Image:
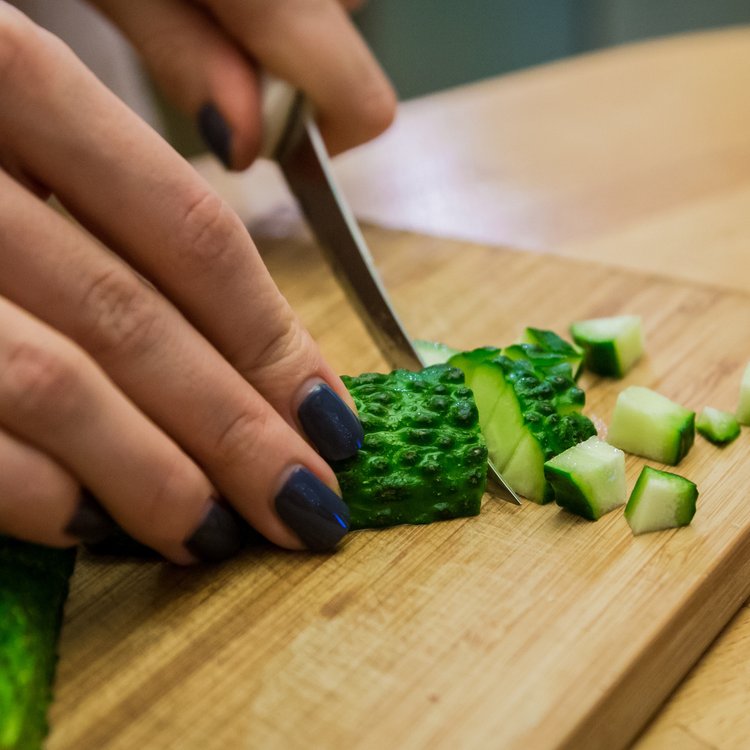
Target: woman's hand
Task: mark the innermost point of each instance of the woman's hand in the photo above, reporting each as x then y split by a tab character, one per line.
152	361
204	54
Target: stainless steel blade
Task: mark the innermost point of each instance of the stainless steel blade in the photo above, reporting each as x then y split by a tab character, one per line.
304	161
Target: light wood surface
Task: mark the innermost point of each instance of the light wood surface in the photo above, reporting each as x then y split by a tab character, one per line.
635	158
523	627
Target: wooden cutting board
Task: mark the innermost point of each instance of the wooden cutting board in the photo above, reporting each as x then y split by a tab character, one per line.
521	628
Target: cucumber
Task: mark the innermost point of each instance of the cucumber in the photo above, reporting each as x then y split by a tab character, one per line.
660	500
743	409
651	425
33	588
433	352
588	479
550	342
611	345
528	413
423	457
720	427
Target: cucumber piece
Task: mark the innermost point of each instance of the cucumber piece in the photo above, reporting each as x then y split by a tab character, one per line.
589	478
743	409
660	500
720	427
433	352
525	414
33	589
651	425
550	342
423	456
611	345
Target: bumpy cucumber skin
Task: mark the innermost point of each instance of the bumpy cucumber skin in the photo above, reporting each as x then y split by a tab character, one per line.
684	514
33	589
548	399
719	427
423	457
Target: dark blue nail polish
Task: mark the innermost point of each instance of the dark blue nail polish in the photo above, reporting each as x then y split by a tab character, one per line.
220	536
90	522
330	424
216	133
312	510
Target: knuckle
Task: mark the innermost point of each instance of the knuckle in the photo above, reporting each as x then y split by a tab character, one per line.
287	342
210	229
42	382
123	314
243	437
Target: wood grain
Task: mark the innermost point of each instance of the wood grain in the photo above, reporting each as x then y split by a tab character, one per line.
520	628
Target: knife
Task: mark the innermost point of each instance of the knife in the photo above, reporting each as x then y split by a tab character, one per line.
292	139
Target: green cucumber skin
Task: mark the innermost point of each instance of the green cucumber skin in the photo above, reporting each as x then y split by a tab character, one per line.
601	358
550	342
608	356
567	494
33	588
686	510
423	457
718	427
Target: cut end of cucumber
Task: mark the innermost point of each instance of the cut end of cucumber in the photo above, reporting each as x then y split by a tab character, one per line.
719	427
650	425
611	345
588	479
433	352
743	408
660	500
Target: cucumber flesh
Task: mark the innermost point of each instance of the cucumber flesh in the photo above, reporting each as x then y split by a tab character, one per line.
651	425
433	352
660	500
743	410
720	427
611	345
588	479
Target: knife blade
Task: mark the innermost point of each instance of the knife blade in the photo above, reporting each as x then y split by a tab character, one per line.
302	156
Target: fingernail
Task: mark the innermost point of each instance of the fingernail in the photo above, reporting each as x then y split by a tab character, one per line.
220	536
318	516
216	133
90	523
331	425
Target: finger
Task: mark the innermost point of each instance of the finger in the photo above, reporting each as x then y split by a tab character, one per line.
185	239
53	397
246	448
313	45
38	498
200	68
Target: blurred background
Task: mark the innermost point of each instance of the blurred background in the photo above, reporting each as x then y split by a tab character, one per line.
427	45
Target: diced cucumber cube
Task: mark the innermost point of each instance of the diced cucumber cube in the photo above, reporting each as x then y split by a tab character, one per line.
588	479
743	410
718	426
650	425
611	345
660	500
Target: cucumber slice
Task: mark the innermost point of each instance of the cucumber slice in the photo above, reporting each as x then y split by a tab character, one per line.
720	427
433	352
611	345
743	410
588	479
549	341
651	425
660	500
